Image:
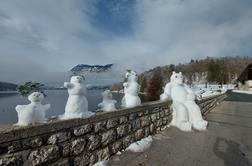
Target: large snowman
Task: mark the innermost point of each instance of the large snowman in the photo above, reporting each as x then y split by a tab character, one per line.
186	113
108	104
77	104
33	112
131	89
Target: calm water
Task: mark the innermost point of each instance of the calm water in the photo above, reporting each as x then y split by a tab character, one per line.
57	99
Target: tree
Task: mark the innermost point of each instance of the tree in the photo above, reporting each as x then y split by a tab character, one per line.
143	84
155	86
217	72
29	87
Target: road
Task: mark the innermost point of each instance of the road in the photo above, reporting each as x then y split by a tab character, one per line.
227	142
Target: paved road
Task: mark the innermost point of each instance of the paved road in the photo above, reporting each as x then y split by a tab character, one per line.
227	142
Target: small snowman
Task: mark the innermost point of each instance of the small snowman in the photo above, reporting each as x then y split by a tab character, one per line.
108	104
77	104
33	112
131	89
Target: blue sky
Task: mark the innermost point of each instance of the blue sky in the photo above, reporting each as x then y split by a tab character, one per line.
44	39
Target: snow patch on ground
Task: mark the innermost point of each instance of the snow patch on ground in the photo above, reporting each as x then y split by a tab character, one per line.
101	163
141	145
242	91
212	89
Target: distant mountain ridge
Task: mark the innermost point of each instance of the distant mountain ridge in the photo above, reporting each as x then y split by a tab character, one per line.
82	68
6	86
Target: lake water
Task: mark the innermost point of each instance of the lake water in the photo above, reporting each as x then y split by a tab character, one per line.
57	99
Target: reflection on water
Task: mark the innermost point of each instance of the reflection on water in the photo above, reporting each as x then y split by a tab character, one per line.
57	99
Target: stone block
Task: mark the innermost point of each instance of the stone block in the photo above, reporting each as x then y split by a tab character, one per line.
100	126
108	137
78	131
59	137
94	141
44	154
112	123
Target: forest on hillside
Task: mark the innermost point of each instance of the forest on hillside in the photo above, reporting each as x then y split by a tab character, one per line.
210	70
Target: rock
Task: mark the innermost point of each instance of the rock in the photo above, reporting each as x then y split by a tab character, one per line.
123	130
127	141
146	131
32	143
136	124
61	162
94	141
78	146
123	119
108	137
132	116
93	159
59	137
145	121
140	114
162	114
66	149
81	160
152	128
112	123
139	134
82	130
153	117
14	147
115	147
167	112
103	154
11	159
44	154
100	126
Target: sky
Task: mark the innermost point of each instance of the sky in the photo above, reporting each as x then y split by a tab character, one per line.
42	40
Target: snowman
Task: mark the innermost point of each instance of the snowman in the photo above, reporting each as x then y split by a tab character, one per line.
77	104
186	113
131	89
33	112
108	104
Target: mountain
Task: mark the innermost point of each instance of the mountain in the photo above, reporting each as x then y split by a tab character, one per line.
5	86
82	68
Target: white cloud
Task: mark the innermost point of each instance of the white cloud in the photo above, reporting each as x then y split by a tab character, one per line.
43	37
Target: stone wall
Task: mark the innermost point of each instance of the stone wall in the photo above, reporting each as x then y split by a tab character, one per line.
85	141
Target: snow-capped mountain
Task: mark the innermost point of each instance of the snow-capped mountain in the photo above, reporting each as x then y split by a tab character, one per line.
82	68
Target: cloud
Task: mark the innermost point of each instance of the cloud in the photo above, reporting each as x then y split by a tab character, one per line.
41	40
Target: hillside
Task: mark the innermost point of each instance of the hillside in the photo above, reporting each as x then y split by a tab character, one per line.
196	71
5	86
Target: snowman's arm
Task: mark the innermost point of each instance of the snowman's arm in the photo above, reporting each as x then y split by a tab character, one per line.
68	85
167	89
47	106
125	84
19	108
189	90
100	104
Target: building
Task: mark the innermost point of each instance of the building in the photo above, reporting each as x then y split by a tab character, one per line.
245	79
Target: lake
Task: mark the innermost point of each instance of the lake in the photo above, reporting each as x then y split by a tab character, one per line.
57	99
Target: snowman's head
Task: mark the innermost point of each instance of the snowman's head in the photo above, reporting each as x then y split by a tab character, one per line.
176	78
107	94
36	97
131	75
77	79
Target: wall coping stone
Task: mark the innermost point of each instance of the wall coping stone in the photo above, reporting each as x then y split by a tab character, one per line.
10	133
